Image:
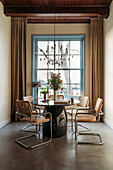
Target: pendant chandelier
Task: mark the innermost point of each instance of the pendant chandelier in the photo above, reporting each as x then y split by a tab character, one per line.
61	56
55	60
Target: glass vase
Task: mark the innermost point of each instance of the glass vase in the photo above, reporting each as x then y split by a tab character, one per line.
55	92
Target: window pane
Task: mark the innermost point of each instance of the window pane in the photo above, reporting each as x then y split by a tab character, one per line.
65	90
75	61
74	90
42	62
64	75
42	76
42	47
74	76
74	47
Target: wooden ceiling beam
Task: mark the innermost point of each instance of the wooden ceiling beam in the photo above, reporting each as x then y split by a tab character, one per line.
34	21
79	11
58	18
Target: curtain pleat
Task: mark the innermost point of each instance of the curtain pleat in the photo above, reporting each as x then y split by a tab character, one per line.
96	60
18	61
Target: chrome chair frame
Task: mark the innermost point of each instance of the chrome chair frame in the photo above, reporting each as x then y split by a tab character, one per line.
28	126
91	134
71	114
72	124
18	140
35	108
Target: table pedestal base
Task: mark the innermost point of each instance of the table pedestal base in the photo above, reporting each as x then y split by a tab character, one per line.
59	121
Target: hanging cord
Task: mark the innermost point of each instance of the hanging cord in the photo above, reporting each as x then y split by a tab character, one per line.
54	43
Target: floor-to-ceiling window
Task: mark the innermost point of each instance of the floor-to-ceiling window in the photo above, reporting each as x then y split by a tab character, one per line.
60	54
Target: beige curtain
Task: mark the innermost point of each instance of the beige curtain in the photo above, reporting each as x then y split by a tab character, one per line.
18	61
96	60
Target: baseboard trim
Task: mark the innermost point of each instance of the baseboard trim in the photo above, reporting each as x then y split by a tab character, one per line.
107	122
4	123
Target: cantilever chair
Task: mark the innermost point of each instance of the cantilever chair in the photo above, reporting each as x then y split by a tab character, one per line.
25	113
30	99
88	115
34	111
84	102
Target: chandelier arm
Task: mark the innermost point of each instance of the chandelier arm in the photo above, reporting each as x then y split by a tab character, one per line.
49	59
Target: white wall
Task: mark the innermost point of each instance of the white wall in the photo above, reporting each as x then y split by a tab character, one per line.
108	80
5	68
59	29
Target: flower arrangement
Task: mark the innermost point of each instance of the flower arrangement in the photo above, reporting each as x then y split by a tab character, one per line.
55	81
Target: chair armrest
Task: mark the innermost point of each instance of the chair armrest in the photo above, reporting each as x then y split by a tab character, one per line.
86	109
86	113
46	113
20	114
95	114
41	114
80	107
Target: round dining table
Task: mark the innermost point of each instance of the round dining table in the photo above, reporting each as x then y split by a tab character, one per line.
59	116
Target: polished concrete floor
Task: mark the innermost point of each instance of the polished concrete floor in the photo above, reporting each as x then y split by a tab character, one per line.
61	154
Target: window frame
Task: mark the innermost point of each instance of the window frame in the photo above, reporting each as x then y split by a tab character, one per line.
76	37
